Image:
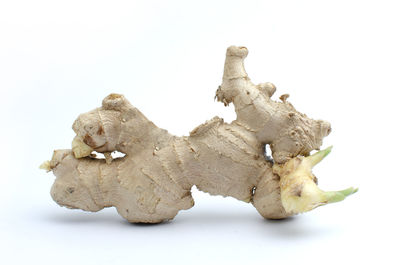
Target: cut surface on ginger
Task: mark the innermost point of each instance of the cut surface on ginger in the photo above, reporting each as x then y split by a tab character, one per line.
152	182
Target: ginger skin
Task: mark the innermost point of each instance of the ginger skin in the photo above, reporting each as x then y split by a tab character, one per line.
153	182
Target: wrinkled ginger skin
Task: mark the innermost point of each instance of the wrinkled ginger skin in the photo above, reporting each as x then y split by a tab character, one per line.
91	184
288	132
153	181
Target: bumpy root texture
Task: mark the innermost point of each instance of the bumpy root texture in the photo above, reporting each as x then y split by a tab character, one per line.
152	182
288	132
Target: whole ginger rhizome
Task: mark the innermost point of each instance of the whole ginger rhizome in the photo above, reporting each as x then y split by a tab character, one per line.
153	181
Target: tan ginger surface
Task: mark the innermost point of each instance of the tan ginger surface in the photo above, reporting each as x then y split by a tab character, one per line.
153	181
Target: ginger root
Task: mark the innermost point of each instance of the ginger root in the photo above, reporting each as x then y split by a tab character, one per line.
153	181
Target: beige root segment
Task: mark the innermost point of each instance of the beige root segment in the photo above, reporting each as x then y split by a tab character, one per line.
153	181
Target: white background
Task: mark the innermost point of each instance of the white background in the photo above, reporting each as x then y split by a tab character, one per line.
338	60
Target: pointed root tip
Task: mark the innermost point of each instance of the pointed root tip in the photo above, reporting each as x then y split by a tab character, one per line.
318	156
349	191
337	196
326	151
329	148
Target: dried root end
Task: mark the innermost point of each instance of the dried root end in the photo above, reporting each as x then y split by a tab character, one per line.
80	149
108	157
46	166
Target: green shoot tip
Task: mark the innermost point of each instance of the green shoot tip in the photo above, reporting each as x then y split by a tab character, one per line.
337	196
